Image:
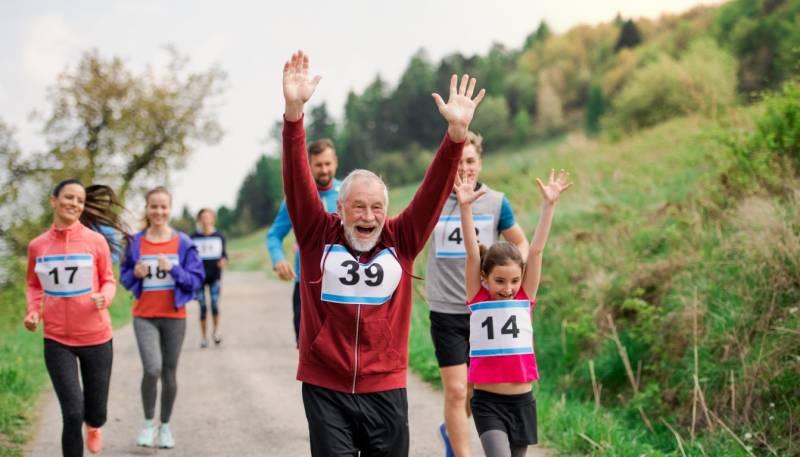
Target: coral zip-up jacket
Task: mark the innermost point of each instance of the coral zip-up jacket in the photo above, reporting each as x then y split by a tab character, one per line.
71	256
357	348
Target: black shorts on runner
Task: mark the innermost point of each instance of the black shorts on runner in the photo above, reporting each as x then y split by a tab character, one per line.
342	424
513	414
450	335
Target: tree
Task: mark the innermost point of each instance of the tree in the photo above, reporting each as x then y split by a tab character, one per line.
629	36
538	37
110	125
595	108
259	196
522	127
412	108
321	124
492	121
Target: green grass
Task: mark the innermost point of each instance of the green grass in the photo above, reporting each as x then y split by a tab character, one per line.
23	375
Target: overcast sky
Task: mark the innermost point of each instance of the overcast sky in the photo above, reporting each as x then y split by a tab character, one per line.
349	43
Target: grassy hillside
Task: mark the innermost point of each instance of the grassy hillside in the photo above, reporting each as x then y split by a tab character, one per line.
655	248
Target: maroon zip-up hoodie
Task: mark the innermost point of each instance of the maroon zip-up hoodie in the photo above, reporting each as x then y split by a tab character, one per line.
351	347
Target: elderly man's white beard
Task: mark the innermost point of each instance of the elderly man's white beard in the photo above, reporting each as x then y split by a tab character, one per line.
355	243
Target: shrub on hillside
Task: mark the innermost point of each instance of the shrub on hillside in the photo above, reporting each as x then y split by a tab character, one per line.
702	81
493	121
400	168
770	152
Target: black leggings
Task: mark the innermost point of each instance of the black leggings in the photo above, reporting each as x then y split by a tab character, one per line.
79	406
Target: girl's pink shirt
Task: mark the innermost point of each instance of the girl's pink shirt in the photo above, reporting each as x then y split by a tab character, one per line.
503	368
73	321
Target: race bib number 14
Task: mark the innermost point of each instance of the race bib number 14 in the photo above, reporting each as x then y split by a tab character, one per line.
501	327
345	280
67	275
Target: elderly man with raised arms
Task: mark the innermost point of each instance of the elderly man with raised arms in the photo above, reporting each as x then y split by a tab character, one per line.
356	280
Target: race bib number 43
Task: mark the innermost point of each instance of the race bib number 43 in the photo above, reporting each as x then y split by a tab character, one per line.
210	248
345	280
500	328
67	275
449	241
158	279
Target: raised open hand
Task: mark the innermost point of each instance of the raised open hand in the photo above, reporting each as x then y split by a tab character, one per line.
297	88
465	190
555	186
460	106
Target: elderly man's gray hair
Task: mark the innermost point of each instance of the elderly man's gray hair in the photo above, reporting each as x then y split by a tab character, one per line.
344	191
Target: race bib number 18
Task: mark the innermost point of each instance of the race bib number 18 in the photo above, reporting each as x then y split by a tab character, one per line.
500	328
67	275
158	279
345	280
449	241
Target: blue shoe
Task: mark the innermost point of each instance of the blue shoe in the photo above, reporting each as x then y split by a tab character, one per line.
448	449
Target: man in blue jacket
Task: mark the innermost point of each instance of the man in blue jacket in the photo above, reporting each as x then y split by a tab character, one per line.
323	162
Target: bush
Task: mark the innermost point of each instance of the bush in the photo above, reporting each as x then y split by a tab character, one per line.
399	168
702	81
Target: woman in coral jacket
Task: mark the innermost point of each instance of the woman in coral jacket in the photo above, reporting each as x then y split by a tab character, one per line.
70	286
162	268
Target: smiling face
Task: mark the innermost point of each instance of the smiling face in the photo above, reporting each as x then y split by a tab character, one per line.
470	164
207	220
504	281
68	204
323	166
363	212
157	211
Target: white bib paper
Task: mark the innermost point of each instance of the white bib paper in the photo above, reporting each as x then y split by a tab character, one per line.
345	280
500	328
449	241
67	275
209	248
158	279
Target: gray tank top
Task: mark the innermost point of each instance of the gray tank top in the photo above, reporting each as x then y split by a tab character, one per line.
444	280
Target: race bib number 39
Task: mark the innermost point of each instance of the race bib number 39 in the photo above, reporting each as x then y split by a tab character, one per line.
345	280
67	275
158	279
449	241
210	248
500	328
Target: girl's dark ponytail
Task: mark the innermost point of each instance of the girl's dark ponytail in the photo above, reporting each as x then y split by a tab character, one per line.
102	208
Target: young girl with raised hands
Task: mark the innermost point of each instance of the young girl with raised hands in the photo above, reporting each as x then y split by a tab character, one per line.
502	291
70	287
163	269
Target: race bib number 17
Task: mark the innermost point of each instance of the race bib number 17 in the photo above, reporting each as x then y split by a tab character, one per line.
67	275
501	327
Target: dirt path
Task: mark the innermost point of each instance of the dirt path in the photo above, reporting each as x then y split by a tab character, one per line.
239	399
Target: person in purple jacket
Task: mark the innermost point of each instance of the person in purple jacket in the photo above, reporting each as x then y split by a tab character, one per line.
163	269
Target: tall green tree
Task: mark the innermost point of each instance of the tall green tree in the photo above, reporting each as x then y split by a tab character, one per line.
321	124
259	196
629	36
595	108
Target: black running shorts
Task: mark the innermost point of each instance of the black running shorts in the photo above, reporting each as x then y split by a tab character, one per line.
513	414
342	424
450	335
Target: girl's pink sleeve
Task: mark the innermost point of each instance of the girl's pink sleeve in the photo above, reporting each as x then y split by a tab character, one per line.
34	291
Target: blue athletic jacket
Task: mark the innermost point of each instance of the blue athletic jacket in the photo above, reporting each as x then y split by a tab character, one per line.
282	225
188	276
